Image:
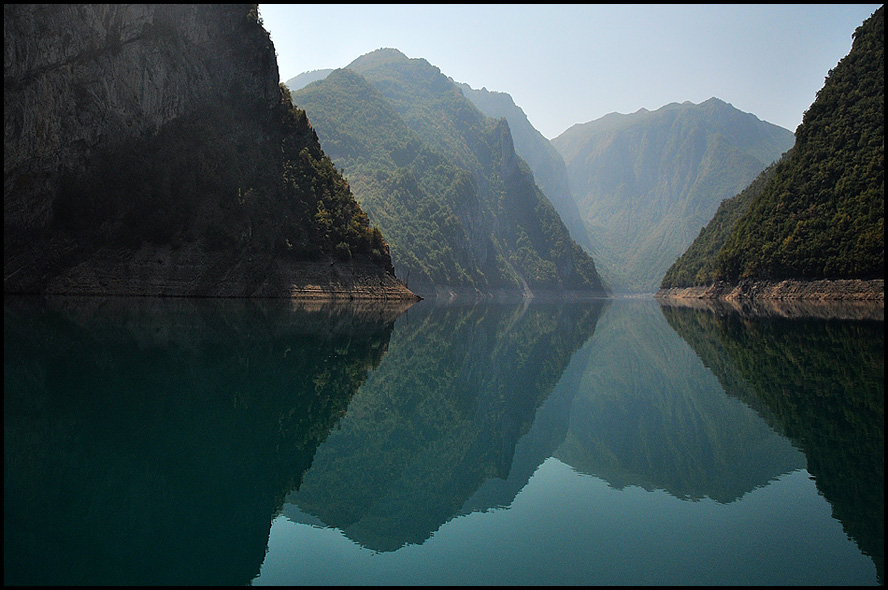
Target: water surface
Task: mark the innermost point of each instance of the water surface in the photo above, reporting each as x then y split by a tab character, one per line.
174	441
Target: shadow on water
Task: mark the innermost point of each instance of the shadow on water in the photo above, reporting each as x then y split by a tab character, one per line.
151	441
440	420
817	374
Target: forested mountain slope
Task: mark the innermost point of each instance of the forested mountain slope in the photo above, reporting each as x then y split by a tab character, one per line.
645	183
822	215
460	209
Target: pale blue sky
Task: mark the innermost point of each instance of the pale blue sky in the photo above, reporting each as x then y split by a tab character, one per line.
573	63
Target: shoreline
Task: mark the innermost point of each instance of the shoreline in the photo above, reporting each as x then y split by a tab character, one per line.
191	271
785	290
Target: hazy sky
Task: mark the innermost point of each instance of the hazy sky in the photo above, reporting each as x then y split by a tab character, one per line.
573	63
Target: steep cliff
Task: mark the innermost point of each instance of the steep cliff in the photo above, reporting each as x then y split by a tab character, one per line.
150	150
547	165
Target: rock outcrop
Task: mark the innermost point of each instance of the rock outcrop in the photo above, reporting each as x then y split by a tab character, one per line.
150	149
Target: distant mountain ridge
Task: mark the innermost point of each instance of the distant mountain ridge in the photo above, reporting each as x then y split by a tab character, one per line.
645	183
460	209
306	78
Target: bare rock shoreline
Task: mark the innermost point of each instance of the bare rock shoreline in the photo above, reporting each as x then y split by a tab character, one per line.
191	272
818	290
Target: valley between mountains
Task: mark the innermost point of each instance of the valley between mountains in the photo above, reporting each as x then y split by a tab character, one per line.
652	197
153	150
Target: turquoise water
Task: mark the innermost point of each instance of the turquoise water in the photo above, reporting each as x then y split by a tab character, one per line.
612	442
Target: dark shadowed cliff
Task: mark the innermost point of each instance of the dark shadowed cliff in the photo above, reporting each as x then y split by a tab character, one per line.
150	150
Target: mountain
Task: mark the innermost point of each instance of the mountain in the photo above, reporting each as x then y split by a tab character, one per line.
425	442
460	209
645	183
306	78
696	265
821	214
545	162
151	150
164	434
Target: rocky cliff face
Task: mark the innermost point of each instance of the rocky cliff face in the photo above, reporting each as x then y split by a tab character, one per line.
780	290
80	77
547	165
159	134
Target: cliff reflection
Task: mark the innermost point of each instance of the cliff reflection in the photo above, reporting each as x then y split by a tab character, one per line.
441	416
820	378
151	441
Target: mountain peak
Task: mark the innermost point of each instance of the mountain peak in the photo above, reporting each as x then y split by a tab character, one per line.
716	103
417	149
379	56
388	52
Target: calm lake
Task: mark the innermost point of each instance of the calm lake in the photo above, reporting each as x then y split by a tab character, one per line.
232	442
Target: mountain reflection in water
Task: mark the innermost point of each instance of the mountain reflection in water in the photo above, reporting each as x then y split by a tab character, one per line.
150	441
603	442
440	417
640	406
820	380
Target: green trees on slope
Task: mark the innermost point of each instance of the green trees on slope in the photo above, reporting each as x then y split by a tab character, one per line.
409	190
697	265
821	215
442	181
